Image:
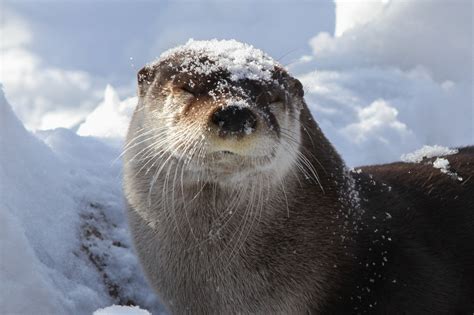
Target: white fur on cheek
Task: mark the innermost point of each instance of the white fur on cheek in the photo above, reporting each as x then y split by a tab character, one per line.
287	153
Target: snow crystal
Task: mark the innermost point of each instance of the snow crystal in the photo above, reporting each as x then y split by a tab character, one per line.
121	310
241	60
443	165
427	152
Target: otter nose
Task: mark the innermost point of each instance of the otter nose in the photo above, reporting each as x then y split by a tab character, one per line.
234	120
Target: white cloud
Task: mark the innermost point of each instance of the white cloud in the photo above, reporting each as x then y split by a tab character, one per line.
14	30
42	96
350	14
434	34
397	76
379	121
433	112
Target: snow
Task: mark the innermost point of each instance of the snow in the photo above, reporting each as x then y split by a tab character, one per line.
121	310
427	152
241	60
442	164
392	79
110	118
64	238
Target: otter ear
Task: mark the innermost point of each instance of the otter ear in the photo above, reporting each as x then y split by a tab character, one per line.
296	86
145	78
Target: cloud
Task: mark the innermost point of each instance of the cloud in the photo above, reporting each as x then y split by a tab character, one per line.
14	31
378	120
350	14
434	34
42	96
397	75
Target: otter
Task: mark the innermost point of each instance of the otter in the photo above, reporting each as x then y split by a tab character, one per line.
238	203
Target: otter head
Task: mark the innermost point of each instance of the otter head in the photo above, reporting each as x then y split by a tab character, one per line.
222	110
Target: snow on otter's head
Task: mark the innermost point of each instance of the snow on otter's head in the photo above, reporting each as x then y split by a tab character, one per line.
240	60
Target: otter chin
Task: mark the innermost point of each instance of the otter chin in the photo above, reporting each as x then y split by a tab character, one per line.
238	203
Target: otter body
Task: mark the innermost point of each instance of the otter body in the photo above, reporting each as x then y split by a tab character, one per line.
239	204
415	250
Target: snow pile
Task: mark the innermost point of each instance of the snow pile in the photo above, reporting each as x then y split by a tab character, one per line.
31	182
443	165
121	310
241	60
110	119
64	239
427	152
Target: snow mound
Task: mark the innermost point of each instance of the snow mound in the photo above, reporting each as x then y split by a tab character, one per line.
121	310
241	60
427	152
443	165
29	173
110	119
62	224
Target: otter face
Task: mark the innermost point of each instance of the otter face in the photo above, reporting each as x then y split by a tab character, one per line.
221	120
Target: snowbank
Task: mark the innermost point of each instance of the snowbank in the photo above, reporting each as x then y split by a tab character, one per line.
36	208
110	118
64	241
